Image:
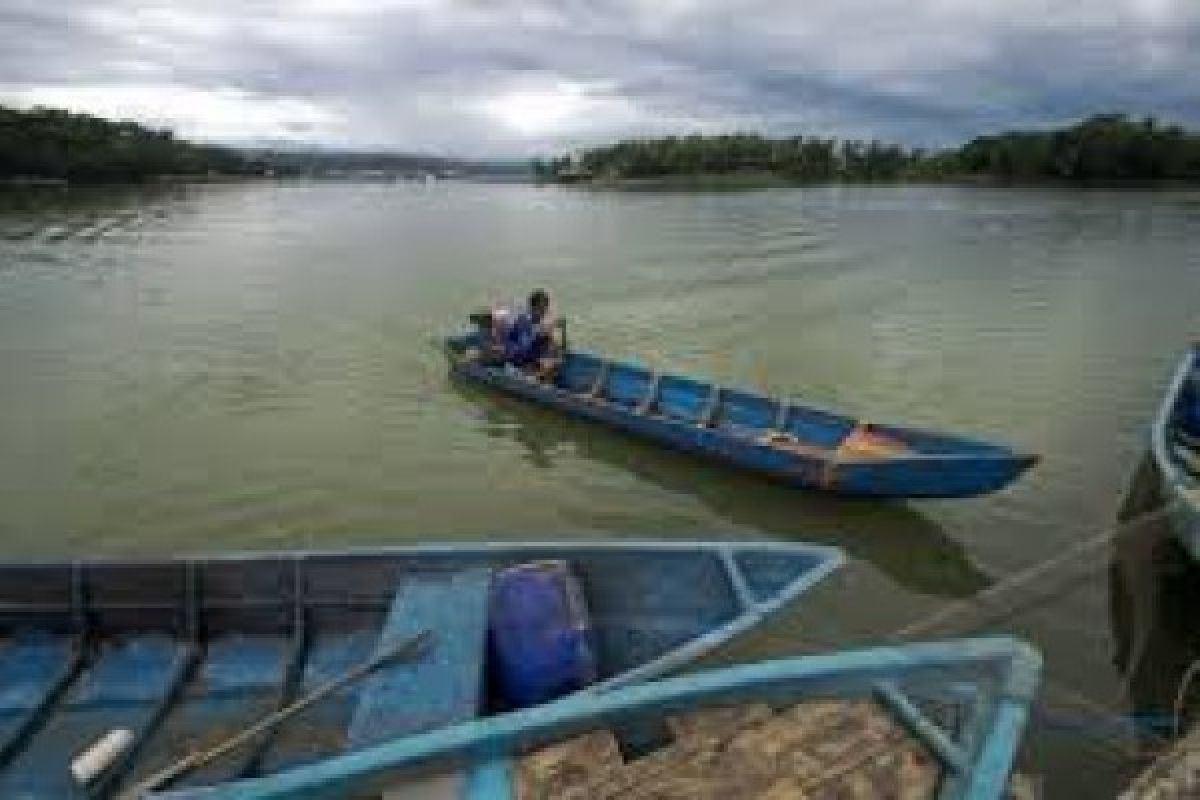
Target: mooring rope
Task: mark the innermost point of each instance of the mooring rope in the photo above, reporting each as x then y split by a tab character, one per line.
999	599
1070	557
1180	696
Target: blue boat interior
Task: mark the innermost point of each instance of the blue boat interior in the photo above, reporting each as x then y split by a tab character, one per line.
735	413
1185	421
186	654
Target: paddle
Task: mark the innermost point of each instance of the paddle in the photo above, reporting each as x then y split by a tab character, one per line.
401	651
562	332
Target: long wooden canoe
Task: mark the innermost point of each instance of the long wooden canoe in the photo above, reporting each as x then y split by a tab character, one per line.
798	444
1175	442
184	653
963	704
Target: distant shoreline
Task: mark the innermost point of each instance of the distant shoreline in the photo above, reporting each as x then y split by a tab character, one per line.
34	182
766	180
37	182
1104	149
55	147
671	183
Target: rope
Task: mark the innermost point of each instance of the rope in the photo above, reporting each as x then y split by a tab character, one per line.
1180	694
1023	577
998	597
998	604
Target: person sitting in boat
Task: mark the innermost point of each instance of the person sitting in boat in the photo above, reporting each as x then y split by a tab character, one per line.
525	339
531	343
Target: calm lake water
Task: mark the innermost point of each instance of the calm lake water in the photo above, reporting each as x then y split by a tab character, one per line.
255	366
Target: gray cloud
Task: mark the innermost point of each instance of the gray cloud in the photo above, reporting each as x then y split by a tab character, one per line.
522	76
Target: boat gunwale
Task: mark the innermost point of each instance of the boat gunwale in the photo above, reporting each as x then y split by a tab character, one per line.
466	547
1160	429
493	741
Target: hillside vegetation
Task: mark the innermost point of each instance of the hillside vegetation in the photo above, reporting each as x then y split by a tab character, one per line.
49	143
1109	147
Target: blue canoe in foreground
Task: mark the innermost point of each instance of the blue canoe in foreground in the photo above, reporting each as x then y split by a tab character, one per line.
1175	442
796	444
966	703
185	653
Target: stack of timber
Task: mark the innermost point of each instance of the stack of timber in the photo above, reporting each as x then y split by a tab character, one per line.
1174	776
842	749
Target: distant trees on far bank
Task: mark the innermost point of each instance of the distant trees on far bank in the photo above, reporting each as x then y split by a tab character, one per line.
49	143
1108	147
798	157
53	144
1105	147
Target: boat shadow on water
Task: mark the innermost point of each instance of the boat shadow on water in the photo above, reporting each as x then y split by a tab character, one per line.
908	547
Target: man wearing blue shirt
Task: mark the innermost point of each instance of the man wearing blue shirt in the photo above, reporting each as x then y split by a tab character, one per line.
529	336
522	338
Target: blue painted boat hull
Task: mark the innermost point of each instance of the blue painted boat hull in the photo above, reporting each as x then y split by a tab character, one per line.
987	686
734	427
1177	452
186	652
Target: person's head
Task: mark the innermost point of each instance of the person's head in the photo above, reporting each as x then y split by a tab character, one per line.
539	303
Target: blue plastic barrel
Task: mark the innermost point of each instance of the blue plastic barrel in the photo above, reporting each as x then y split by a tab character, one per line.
540	638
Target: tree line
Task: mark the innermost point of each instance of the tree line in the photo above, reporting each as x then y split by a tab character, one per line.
1106	147
48	143
53	144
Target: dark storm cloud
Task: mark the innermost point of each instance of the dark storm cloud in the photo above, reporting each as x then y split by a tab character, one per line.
516	77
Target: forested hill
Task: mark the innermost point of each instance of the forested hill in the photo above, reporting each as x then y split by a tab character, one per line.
1110	147
54	144
50	143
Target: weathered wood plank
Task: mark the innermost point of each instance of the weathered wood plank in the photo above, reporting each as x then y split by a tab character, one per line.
819	749
1174	776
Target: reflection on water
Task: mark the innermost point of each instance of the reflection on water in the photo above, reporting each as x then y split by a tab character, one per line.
1154	593
896	539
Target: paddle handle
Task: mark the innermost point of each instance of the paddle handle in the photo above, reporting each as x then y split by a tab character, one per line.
192	761
168	775
561	324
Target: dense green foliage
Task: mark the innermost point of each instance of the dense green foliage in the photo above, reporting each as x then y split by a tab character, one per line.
53	144
798	157
50	143
1106	147
1103	148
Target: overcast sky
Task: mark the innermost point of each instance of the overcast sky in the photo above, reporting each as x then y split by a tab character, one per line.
503	78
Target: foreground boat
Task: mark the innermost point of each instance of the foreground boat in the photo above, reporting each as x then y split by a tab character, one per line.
797	444
1175	442
964	703
185	653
